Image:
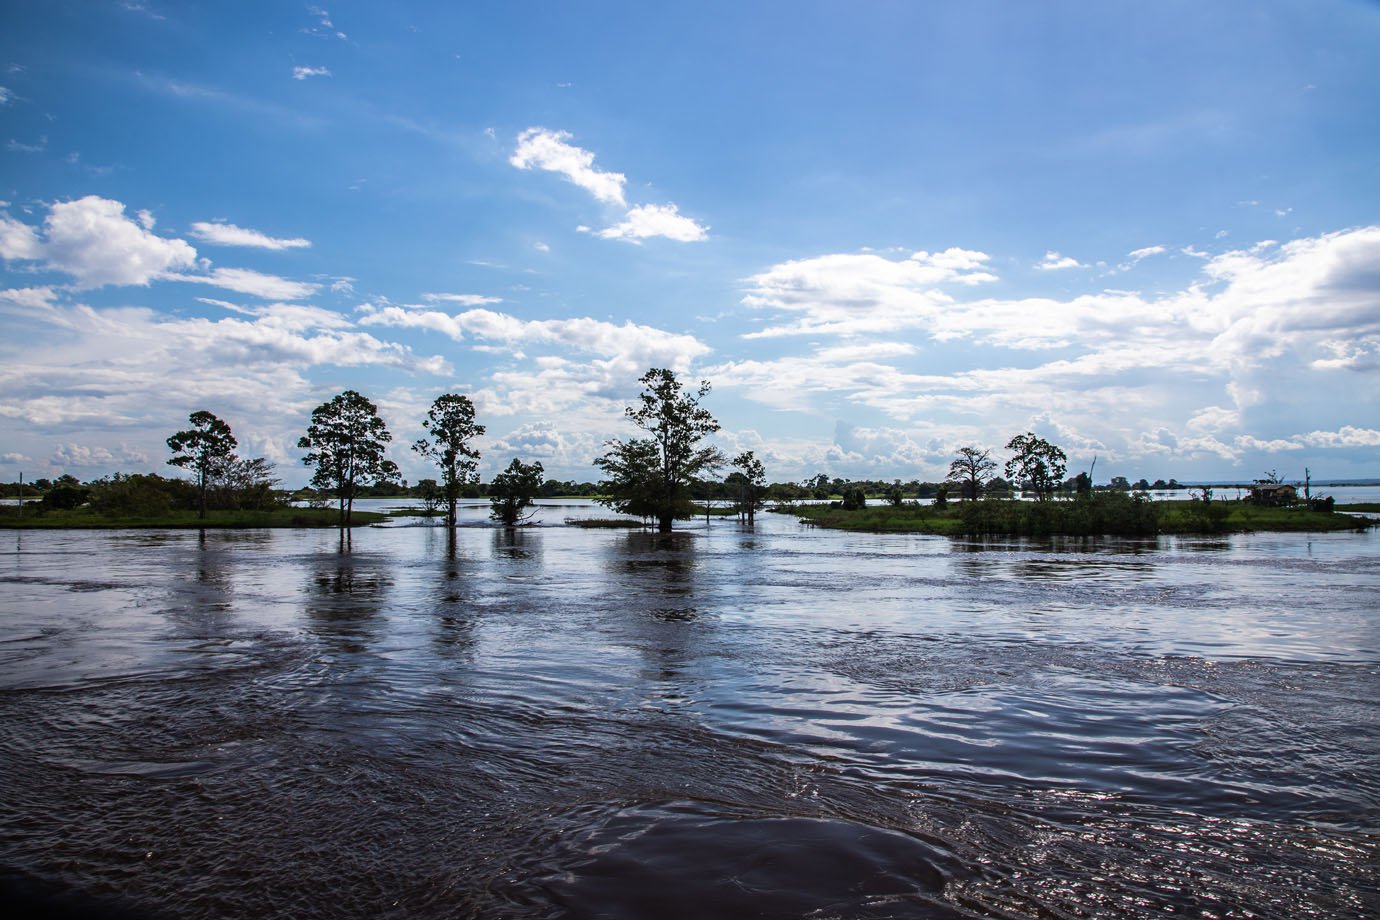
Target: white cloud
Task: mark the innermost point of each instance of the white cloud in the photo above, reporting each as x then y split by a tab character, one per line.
467	300
1345	437
248	281
1136	255
637	344
15	146
650	220
302	73
223	234
68	456
30	298
539	246
862	292
548	150
18	241
6	97
1053	261
92	240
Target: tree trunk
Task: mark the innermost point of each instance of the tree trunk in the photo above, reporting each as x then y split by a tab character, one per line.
450	512
663	522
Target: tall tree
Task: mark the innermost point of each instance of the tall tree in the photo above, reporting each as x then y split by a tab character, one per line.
1037	462
652	476
346	442
207	449
512	491
450	427
753	485
972	468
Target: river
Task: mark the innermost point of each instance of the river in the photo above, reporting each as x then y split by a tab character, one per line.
775	722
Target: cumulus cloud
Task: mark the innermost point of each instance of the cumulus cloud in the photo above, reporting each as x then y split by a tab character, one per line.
651	220
303	73
78	456
29	298
218	233
92	240
1053	261
1215	370
549	150
18	242
548	442
851	293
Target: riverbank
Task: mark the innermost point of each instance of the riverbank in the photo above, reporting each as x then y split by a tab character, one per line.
1117	515
86	519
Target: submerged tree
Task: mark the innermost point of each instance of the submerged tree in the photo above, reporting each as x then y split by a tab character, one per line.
430	493
512	492
971	470
345	442
753	484
207	449
651	476
450	427
1037	462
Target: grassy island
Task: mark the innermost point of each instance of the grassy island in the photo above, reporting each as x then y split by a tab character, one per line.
1108	513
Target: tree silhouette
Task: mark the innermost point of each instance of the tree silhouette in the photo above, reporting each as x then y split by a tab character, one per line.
450	427
207	449
345	442
651	476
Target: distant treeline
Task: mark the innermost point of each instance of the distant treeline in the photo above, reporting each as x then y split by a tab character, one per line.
817	487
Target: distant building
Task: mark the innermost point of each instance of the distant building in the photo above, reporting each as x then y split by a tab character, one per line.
1273	493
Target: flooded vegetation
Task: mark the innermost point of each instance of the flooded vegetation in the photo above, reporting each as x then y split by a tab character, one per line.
783	720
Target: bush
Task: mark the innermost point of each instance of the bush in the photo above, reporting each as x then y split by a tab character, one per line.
141	495
64	497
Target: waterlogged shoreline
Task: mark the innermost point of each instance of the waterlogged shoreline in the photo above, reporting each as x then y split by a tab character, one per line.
1066	518
1169	517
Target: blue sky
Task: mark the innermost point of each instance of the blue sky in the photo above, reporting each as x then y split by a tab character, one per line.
883	231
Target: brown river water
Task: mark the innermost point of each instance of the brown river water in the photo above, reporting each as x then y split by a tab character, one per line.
775	722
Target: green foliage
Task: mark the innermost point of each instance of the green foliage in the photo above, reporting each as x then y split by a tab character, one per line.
431	495
972	468
652	476
207	449
450	428
346	442
64	497
752	484
513	491
1037	462
854	499
132	495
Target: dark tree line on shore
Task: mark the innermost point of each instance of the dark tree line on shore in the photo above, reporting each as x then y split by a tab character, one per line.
666	473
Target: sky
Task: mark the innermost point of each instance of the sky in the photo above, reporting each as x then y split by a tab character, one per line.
1149	233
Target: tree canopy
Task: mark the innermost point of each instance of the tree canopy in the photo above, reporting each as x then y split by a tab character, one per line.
651	476
346	442
450	428
207	449
753	484
512	491
971	469
1038	463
